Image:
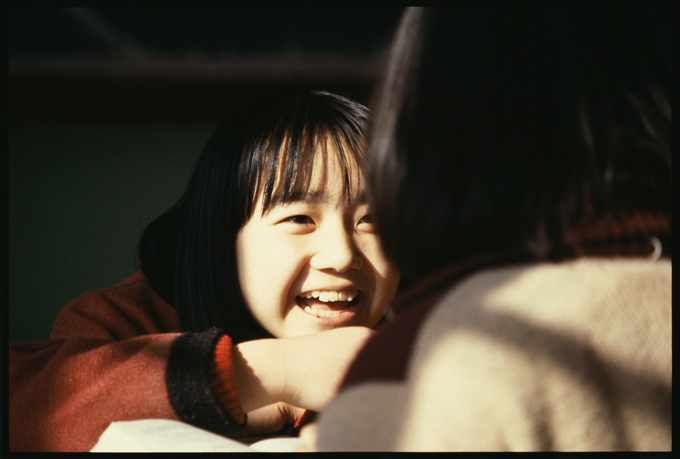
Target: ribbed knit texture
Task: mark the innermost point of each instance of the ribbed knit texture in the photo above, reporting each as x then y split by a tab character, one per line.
223	379
190	386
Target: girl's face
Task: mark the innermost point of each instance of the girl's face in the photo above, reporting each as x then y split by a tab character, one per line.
315	263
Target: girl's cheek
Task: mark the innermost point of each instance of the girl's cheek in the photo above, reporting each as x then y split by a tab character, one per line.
373	251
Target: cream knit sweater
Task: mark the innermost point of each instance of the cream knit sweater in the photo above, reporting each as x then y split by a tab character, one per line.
570	357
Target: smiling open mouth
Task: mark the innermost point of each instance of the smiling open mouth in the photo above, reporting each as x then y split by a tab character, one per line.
328	303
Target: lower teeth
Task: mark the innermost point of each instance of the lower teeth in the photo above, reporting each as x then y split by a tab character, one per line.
322	313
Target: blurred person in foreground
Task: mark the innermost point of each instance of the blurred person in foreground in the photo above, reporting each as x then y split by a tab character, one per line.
519	167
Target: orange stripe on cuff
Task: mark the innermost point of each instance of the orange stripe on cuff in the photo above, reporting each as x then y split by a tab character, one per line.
223	379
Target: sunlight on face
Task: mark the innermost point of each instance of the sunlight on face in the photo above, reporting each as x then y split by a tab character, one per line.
315	262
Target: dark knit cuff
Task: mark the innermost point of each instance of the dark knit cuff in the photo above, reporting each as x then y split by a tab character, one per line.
189	386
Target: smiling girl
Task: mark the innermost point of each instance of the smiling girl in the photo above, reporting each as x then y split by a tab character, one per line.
272	239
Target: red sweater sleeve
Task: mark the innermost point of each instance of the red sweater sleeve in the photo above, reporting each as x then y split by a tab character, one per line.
105	361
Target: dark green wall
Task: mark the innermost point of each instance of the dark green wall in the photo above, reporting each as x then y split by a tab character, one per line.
79	198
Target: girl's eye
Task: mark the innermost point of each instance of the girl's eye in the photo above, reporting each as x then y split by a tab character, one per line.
299	219
367	219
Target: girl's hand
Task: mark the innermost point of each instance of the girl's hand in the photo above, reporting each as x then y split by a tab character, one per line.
304	371
270	419
308	435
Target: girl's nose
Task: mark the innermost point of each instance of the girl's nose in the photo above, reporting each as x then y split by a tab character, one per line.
335	250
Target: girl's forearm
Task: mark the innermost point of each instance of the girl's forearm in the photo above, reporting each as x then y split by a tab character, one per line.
259	367
303	371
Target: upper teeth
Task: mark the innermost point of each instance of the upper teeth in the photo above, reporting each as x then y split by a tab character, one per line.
328	296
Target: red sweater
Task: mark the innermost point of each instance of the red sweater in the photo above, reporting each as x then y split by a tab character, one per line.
107	359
